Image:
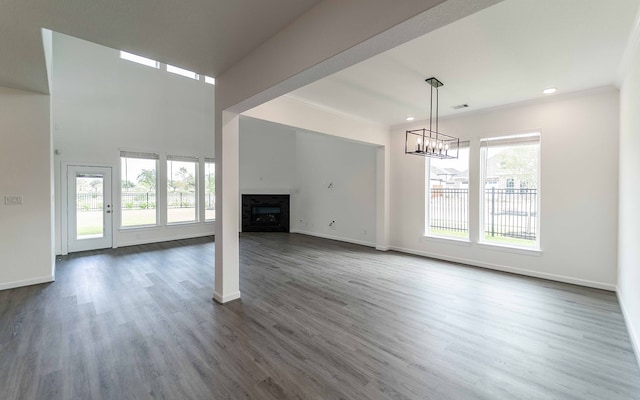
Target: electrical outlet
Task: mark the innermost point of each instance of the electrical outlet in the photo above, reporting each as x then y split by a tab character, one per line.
13	200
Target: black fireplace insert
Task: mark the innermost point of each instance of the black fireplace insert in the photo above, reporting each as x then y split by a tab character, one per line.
265	213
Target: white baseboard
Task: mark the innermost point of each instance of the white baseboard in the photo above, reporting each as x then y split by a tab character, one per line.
519	271
137	242
225	299
26	282
633	334
383	248
338	238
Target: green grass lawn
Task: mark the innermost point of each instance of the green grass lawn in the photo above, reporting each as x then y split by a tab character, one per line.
89	230
450	233
138	217
90	222
488	238
509	240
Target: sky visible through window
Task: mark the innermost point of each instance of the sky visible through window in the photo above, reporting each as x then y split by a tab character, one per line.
139	59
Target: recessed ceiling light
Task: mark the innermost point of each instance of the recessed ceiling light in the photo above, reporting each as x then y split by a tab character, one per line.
410	118
549	90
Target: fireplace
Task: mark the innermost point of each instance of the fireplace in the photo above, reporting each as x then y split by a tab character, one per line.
265	213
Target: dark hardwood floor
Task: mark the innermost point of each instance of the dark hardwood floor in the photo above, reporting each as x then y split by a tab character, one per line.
318	319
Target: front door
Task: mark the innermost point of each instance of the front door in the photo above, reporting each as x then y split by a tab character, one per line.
89	208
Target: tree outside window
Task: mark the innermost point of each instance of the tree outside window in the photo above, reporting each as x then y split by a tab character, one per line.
182	204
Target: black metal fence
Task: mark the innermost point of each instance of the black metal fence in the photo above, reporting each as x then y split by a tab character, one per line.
141	201
448	209
181	200
92	201
510	212
210	201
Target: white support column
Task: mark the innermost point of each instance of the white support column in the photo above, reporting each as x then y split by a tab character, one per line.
383	165
227	243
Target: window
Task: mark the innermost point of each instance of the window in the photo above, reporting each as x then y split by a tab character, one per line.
447	196
209	80
510	216
209	190
140	60
138	189
510	184
183	72
182	189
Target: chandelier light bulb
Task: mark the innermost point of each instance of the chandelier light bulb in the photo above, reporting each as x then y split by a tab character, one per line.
431	142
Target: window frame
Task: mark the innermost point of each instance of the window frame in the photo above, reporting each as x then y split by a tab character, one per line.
139	156
140	60
172	69
196	197
204	190
516	139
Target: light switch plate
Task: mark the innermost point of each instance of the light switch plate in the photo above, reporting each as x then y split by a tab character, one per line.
12	200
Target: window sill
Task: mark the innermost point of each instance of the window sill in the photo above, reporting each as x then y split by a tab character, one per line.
186	223
210	221
138	228
445	239
528	251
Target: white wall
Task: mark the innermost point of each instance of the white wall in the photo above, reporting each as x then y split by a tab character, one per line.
291	111
267	157
282	160
579	185
309	117
26	250
103	104
629	199
350	169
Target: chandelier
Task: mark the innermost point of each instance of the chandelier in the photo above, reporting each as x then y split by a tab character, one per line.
429	142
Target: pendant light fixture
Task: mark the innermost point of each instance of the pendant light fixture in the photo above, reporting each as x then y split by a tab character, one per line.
429	142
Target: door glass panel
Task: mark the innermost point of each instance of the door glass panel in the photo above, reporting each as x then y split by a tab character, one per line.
89	206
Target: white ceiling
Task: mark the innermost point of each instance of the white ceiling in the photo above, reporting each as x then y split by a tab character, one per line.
206	36
504	54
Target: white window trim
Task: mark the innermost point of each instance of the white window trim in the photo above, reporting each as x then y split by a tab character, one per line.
446	239
204	191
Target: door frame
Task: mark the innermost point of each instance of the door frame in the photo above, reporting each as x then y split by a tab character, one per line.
64	190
